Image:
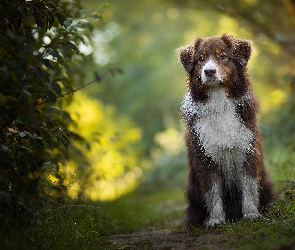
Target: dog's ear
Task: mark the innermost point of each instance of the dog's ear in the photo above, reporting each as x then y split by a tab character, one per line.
241	48
186	55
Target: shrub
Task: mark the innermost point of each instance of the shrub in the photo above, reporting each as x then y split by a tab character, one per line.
39	63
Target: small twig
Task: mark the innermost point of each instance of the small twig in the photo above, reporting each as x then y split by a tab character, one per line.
77	206
85	85
69	206
63	95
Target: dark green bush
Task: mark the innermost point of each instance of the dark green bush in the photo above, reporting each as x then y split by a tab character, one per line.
39	63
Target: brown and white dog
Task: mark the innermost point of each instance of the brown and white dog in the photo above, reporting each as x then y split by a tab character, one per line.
227	176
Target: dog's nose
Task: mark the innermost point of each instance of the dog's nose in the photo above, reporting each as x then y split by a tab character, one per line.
210	72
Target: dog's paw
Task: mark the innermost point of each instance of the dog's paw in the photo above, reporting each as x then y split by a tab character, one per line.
252	215
213	222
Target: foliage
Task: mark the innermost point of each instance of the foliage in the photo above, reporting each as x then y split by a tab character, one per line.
112	162
39	63
280	152
61	227
168	160
87	225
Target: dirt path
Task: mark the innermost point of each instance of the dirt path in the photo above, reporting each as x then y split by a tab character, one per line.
165	239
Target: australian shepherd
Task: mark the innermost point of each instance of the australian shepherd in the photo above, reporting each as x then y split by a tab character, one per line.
227	176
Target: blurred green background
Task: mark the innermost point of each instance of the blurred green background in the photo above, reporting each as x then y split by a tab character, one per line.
138	142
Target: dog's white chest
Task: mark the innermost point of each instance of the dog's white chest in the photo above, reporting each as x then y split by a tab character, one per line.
221	132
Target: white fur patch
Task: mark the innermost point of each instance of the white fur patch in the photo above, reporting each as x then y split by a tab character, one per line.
213	199
210	64
249	187
223	135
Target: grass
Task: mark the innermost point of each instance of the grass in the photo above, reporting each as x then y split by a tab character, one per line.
85	225
272	231
138	211
89	225
265	233
64	227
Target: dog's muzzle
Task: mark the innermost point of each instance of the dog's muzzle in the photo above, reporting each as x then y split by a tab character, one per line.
210	72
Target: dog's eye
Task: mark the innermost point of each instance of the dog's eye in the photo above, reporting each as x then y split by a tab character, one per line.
223	56
201	58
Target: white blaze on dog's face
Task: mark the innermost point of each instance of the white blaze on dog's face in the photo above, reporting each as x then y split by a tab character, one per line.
210	72
215	61
213	64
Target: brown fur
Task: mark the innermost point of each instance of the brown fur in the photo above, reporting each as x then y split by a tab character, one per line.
203	171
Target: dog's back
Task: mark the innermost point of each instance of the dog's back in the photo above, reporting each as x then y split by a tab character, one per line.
227	177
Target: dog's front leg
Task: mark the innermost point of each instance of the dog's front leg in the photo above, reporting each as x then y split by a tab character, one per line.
250	201
214	203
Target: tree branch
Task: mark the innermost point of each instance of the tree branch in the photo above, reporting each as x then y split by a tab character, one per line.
97	79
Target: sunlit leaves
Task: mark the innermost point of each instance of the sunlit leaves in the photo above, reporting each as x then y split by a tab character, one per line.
114	153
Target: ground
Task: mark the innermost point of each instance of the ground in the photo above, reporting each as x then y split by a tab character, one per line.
164	239
153	222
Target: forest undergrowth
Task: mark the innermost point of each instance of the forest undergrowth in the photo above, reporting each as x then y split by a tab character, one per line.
148	220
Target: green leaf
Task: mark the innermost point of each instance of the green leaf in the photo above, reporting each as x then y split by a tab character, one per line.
48	137
56	110
68	21
25	206
54	53
4	72
63	139
28	29
60	18
120	70
95	16
51	96
39	14
28	93
50	20
81	38
86	25
23	12
37	73
47	63
104	5
37	145
67	53
71	46
55	86
83	12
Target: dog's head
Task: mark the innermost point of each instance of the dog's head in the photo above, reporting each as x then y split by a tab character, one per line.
215	60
